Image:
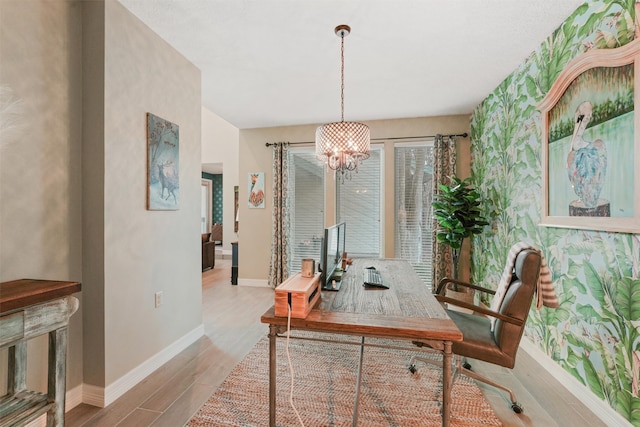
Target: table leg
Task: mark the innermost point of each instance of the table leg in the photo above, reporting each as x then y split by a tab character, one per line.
446	384
354	421
57	376
272	375
17	375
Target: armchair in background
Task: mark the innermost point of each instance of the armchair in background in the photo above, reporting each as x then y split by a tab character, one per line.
208	252
494	341
216	233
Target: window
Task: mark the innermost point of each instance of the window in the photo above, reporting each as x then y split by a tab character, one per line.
414	214
306	196
358	203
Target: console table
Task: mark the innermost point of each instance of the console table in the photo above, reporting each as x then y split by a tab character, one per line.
30	308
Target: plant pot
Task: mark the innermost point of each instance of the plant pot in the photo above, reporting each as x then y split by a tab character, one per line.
460	296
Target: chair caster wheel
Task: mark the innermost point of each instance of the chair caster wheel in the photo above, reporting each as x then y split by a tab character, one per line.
412	368
466	365
517	408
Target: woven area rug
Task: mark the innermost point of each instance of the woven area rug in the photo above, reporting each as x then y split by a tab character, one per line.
324	390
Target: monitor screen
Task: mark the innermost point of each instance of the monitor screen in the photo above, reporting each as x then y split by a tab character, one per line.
332	252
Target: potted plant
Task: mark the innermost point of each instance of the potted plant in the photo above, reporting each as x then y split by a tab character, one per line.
457	210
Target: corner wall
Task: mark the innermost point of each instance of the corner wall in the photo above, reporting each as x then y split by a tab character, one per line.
137	252
76	81
220	145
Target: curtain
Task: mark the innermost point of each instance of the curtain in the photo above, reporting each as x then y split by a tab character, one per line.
279	264
444	167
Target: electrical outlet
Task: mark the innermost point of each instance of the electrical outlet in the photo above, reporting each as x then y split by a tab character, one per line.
158	299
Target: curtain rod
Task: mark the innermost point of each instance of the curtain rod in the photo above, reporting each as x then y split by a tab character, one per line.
464	135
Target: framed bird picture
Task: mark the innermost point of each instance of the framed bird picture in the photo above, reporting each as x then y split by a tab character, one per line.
590	143
256	190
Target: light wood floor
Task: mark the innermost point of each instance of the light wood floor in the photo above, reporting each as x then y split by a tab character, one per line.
231	317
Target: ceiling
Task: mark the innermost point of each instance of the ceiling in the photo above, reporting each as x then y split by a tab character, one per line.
277	62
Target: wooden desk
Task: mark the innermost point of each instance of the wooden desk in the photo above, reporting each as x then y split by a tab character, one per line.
406	311
29	308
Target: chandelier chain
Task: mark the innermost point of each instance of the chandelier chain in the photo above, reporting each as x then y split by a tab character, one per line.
342	77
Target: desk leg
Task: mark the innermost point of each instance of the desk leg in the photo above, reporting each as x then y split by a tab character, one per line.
354	421
446	384
57	376
272	375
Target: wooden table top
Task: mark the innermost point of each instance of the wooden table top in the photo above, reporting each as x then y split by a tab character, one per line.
18	294
406	310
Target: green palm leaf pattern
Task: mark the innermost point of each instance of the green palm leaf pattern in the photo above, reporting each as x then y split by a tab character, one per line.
595	334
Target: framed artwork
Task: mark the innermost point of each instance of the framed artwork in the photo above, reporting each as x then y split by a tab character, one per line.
256	190
591	143
163	171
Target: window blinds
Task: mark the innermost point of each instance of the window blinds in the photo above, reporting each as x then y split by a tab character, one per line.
306	191
358	203
413	211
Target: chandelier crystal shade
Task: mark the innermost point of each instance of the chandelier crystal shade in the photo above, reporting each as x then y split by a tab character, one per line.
342	146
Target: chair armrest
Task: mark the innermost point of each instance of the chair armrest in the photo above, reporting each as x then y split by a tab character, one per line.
480	309
443	282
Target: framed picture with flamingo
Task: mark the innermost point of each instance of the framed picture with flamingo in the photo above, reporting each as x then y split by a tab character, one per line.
590	150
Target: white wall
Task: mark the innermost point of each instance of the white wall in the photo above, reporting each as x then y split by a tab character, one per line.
220	145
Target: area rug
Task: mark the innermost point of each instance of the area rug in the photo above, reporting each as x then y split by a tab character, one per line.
324	390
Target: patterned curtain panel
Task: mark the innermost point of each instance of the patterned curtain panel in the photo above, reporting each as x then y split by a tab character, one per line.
278	267
444	167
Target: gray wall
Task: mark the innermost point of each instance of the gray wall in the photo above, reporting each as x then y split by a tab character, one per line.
40	151
81	77
144	251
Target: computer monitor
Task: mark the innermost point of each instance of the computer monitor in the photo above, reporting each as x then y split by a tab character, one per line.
331	254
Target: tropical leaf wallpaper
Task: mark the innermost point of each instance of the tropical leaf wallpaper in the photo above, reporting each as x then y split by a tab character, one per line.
595	334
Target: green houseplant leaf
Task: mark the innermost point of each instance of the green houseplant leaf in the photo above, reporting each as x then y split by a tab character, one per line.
457	210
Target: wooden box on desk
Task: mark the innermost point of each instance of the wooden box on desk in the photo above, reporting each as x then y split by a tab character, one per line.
301	292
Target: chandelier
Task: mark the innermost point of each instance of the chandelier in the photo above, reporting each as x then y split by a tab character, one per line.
342	146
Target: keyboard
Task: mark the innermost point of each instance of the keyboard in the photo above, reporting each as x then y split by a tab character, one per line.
373	279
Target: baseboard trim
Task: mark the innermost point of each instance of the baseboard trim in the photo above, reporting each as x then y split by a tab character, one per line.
256	283
599	407
73	398
102	397
93	395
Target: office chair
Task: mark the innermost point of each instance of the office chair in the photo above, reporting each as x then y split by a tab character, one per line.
493	341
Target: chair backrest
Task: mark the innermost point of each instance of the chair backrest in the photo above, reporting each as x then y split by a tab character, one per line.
517	301
216	232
